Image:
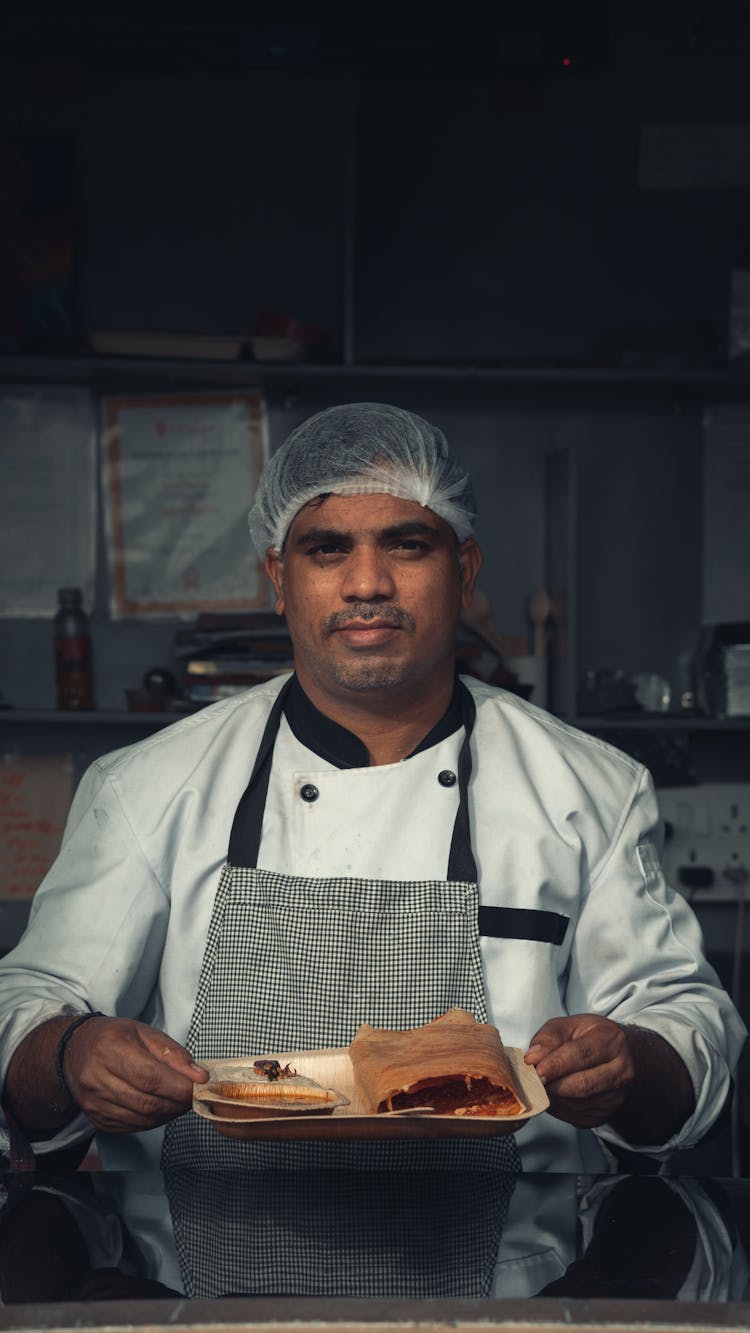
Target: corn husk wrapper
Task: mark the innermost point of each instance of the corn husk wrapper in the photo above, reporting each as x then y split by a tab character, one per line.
443	1055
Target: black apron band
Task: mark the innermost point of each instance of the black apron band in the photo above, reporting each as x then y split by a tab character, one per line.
462	867
522	923
247	826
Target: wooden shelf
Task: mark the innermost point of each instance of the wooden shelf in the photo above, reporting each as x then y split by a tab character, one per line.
50	717
613	722
110	371
659	722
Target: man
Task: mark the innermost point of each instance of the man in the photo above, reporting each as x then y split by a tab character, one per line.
398	842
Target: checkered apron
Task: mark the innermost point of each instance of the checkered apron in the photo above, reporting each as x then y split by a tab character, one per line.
293	963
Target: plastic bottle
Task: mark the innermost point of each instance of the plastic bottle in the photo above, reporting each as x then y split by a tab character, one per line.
73	662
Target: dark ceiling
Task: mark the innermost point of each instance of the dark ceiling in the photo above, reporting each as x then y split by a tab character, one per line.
523	39
530	37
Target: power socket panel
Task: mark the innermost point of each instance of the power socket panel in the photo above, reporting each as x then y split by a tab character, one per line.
707	844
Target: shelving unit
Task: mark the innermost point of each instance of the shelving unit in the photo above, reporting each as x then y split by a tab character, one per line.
668	722
569	497
674	748
49	717
96	370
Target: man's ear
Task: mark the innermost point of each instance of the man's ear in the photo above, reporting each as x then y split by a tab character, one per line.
469	563
274	567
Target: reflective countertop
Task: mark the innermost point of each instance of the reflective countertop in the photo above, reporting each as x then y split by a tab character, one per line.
415	1239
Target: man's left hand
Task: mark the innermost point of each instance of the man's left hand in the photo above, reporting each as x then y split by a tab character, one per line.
599	1072
586	1065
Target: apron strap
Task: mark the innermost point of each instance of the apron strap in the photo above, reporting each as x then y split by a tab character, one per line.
462	867
247	826
244	841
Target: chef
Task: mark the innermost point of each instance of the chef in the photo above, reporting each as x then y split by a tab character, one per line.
368	840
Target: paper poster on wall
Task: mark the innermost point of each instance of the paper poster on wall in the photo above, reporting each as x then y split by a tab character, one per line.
35	796
47	498
180	473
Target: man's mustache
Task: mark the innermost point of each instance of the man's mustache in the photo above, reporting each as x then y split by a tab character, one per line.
391	615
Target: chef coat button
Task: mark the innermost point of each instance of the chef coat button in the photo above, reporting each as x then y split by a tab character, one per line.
446	778
309	792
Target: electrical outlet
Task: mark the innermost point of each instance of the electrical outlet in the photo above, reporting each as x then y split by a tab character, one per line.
707	844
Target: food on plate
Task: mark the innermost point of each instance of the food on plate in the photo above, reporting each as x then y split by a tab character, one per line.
271	1069
453	1066
263	1089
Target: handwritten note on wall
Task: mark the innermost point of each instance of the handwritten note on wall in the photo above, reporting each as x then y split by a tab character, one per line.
35	796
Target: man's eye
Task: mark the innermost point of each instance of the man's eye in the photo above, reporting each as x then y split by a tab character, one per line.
411	544
325	548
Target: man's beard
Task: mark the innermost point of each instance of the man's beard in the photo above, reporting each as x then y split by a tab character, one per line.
364	675
367	675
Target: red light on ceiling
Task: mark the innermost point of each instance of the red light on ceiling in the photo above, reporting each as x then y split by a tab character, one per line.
567	62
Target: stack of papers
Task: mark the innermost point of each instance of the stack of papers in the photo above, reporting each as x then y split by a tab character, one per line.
174	346
737	679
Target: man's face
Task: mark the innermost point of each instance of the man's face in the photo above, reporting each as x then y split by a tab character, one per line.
372	587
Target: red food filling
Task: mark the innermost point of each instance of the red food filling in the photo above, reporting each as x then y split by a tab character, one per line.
465	1097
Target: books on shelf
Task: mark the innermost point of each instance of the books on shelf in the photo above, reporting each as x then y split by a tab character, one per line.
208	668
214	634
209	689
221	655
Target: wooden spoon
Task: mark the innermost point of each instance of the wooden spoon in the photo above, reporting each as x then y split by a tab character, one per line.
559	618
539	608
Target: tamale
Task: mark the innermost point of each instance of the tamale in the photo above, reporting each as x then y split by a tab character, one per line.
453	1065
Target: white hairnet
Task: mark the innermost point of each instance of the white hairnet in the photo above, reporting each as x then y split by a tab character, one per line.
361	449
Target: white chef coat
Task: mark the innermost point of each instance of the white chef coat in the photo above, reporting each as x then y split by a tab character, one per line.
560	822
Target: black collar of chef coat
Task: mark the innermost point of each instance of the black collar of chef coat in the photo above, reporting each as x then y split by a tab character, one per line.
342	748
334	743
245	837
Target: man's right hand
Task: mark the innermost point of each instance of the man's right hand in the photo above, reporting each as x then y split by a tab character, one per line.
127	1076
122	1074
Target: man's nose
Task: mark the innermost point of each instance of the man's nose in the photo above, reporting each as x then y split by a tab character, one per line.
367	576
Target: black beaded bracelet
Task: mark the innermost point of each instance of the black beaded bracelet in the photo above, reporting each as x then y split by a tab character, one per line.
62	1044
